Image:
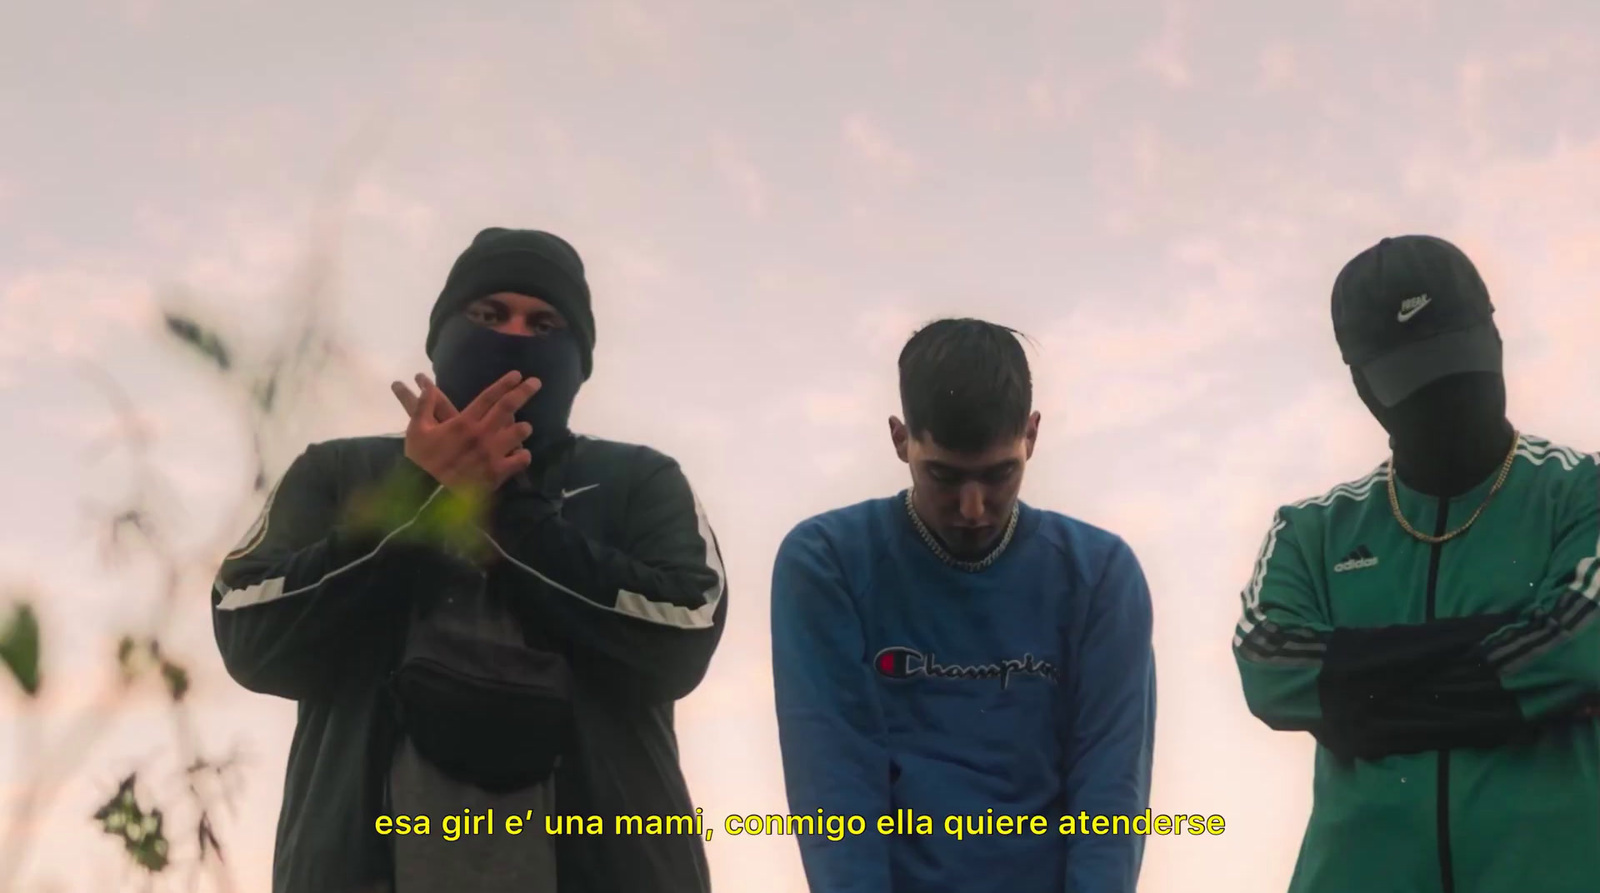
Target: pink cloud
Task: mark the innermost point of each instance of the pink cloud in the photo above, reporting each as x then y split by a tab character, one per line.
1279	67
69	314
390	208
1025	109
884	330
869	144
734	166
625	34
1165	55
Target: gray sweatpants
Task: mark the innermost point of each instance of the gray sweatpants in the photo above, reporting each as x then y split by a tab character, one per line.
474	862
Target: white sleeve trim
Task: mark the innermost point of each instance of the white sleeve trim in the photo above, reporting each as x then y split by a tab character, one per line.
271	589
633	604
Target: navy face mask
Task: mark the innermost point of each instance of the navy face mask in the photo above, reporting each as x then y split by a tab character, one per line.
469	357
1444	415
1449	435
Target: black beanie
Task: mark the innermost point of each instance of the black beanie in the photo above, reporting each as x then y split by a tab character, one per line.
525	261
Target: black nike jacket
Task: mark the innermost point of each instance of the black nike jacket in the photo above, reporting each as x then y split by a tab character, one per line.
623	574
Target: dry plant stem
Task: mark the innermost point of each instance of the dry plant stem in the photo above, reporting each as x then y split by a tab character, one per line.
306	351
22	818
189	757
53	766
71	748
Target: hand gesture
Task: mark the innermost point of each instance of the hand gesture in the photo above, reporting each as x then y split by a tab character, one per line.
471	451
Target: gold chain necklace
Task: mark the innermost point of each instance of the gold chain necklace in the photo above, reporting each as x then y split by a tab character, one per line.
1505	470
969	566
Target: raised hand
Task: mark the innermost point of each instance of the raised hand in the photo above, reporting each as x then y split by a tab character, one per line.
474	450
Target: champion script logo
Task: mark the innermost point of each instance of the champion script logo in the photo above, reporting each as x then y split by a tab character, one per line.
901	662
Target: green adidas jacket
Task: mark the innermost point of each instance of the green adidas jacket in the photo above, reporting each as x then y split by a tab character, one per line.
1443	683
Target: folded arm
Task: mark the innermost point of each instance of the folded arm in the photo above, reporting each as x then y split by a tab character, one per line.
830	726
287	601
1515	671
1364	691
650	611
1546	658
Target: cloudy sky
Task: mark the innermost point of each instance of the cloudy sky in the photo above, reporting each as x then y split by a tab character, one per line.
770	196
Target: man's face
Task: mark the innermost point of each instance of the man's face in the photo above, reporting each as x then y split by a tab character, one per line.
514	314
965	498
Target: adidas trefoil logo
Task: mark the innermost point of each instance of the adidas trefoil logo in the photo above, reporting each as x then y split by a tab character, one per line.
1359	558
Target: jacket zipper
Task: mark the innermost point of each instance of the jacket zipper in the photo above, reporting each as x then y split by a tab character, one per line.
1447	875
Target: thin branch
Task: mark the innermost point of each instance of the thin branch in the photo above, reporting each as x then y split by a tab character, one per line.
26	812
305	353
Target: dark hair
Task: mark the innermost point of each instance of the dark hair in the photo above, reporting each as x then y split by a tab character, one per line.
966	383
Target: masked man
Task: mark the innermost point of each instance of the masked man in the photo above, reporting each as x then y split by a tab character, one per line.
488	614
1433	623
952	654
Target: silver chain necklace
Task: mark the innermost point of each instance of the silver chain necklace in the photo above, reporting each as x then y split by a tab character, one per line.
944	556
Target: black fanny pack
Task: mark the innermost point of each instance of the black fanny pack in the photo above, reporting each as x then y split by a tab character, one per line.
476	699
480	704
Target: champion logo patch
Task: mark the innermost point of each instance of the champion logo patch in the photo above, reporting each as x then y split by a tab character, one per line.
902	662
1359	558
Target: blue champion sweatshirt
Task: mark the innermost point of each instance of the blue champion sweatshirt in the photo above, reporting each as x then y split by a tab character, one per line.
909	689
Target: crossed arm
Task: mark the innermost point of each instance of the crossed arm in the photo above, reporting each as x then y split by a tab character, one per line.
1478	681
645	615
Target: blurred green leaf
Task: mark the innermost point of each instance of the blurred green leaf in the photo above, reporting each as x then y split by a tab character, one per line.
113	811
450	521
19	647
204	340
127	654
141	832
136	657
176	678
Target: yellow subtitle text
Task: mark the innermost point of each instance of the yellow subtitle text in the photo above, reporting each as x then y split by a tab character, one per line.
834	827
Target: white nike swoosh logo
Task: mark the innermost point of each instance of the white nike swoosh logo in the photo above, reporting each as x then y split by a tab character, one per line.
1407	314
568	494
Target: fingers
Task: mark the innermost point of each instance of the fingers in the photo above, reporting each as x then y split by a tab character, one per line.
407	399
502	454
428	407
506	407
479	407
510	465
502	442
488	467
416	407
445	410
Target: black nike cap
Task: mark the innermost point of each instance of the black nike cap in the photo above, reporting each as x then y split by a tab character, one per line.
1411	310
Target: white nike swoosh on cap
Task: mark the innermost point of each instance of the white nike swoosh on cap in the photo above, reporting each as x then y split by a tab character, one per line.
1409	312
568	494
